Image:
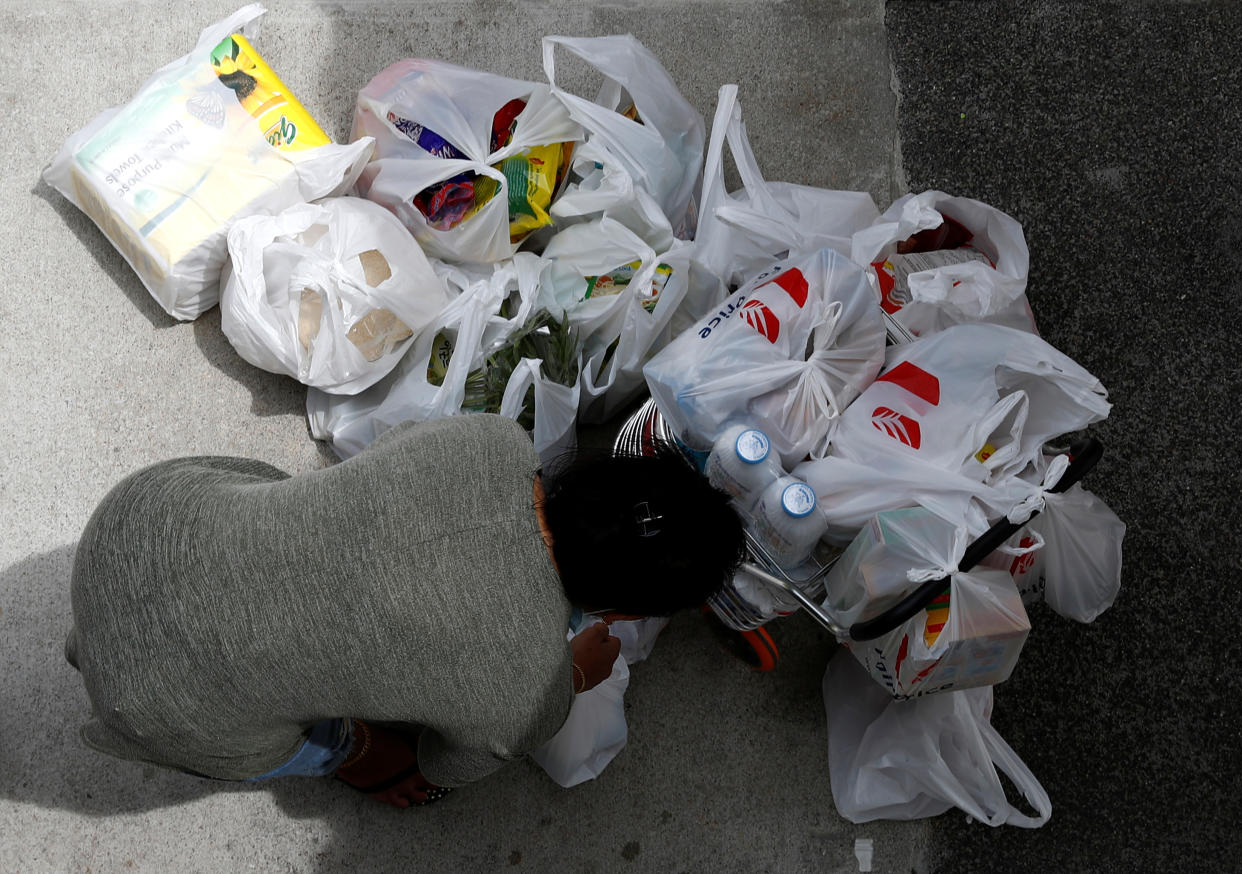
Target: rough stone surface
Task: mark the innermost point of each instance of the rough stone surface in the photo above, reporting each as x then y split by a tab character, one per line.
1110	132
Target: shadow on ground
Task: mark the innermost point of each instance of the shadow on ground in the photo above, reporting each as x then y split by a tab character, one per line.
43	761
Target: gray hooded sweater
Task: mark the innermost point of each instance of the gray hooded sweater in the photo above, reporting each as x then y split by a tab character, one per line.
221	607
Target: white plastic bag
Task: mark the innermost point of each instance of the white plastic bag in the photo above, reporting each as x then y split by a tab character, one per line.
592	734
625	301
661	150
742	232
975	291
637	636
451	110
912	759
331	293
472	322
971	638
787	352
595	730
970	404
600	188
1082	558
851	492
1080	564
165	175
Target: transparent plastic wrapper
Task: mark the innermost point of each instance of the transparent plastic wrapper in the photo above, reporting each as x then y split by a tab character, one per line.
971	636
209	138
742	232
937	260
786	353
469	161
639	126
953	417
767	601
905	760
331	293
438	376
625	301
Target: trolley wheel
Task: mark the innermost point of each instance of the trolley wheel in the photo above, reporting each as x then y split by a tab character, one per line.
754	647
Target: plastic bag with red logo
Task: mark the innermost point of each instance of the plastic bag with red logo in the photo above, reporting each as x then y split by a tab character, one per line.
969	636
938	260
786	352
953	419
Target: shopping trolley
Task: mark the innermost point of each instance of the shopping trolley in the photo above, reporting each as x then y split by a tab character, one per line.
742	621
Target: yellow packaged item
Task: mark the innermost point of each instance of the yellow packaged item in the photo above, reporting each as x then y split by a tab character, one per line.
284	121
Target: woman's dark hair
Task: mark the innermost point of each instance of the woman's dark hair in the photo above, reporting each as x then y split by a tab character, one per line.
643	534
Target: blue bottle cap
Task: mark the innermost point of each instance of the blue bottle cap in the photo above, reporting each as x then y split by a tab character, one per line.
752	446
798	499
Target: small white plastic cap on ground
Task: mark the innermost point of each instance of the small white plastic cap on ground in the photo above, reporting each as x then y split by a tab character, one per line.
862	852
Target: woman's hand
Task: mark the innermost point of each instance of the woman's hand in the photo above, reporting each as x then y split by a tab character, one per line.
594	650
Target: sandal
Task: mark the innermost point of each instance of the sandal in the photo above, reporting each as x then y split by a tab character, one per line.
429	791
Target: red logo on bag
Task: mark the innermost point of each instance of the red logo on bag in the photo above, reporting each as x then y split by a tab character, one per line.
915	380
758	316
794	284
890	302
897	426
1022	563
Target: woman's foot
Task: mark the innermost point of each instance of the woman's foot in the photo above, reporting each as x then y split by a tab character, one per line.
383	764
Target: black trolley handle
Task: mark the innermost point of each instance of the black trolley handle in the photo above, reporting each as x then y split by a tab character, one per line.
1083	456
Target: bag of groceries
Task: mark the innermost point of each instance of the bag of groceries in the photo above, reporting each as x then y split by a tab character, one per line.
209	138
913	759
952	419
469	161
742	232
970	635
639	127
330	293
624	300
1078	567
938	260
491	349
787	352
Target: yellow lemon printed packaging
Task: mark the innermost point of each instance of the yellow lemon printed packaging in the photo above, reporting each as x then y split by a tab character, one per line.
209	138
284	121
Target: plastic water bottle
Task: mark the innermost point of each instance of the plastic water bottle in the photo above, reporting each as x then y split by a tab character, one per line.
741	463
788	521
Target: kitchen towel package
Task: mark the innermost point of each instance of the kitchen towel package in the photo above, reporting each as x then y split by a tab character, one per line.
209	138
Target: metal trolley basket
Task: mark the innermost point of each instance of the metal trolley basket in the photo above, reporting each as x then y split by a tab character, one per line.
742	622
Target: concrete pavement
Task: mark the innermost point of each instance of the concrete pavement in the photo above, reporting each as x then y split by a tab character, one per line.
726	770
